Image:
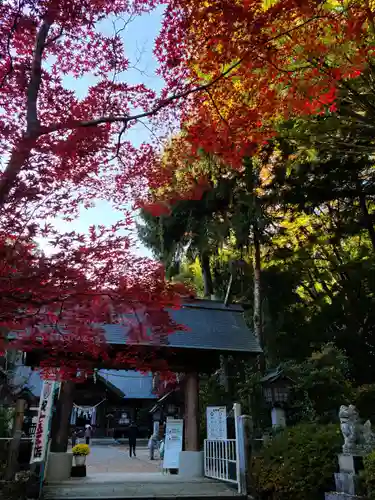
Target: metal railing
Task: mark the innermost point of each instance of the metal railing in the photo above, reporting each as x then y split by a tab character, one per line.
220	459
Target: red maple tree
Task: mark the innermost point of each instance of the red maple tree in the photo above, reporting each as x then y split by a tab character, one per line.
58	152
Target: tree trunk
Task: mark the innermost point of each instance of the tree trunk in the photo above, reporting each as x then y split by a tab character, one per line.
257	299
224	380
60	436
257	313
367	219
206	272
14	446
18	158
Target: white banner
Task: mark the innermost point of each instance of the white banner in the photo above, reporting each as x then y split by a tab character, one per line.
216	422
173	444
40	442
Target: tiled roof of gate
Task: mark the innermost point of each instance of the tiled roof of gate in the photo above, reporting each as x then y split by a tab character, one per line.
133	384
210	326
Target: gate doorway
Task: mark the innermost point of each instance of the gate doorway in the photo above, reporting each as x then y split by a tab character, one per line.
220	459
225	459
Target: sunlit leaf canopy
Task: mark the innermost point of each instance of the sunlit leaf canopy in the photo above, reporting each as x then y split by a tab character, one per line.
270	61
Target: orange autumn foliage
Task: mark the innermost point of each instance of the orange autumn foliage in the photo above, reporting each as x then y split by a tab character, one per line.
262	62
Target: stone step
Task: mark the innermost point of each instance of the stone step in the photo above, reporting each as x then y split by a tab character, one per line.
141	487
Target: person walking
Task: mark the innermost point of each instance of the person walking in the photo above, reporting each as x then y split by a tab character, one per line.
153	445
88	433
74	438
133	430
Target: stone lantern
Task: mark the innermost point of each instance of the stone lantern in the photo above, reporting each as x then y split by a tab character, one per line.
276	389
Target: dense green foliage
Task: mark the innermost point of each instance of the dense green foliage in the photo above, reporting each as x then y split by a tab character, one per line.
297	463
6	417
314	217
369	475
322	385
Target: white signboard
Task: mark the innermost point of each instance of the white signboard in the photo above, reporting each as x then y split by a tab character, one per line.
216	422
40	442
173	444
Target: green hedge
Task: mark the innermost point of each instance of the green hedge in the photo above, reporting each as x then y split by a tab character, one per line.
298	463
369	475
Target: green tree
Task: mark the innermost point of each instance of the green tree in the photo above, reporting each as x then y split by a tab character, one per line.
195	229
322	385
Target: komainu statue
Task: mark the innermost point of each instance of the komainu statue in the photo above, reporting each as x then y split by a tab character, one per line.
358	438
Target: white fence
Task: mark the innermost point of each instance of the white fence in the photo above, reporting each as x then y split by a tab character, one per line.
220	459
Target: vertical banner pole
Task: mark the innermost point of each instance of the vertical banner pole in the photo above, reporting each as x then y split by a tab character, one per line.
39	453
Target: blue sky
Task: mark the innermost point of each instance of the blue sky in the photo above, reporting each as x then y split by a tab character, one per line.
139	35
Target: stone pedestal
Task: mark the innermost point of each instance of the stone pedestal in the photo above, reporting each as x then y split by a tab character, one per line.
345	480
191	464
350	463
340	496
59	467
359	440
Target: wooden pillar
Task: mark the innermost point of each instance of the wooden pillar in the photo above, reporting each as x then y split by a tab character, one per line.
192	412
63	411
19	416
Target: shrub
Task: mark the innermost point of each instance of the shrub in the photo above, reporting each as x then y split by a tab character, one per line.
322	386
81	449
6	418
298	463
369	474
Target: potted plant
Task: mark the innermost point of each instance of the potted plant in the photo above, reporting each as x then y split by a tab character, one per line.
80	452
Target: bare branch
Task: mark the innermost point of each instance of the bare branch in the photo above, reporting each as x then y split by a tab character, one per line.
54	39
217	109
119	141
129	118
151	131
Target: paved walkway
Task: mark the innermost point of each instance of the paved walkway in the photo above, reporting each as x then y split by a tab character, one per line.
114	459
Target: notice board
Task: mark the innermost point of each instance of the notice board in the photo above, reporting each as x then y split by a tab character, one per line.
216	422
173	443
